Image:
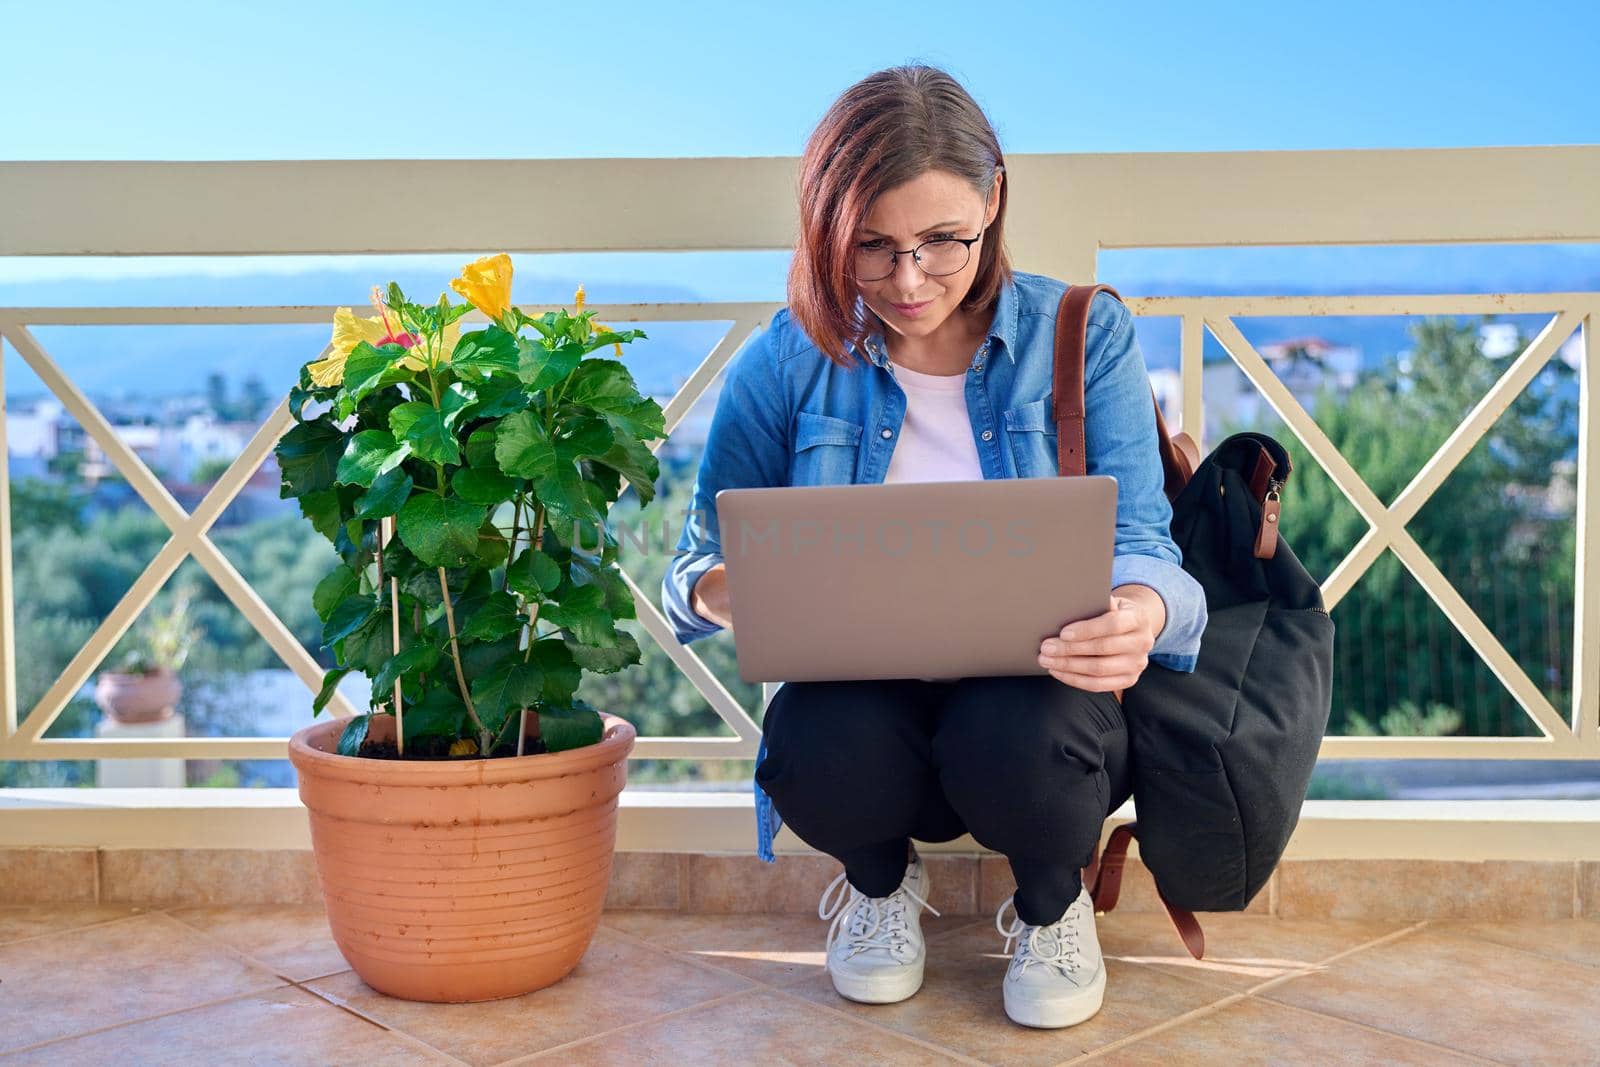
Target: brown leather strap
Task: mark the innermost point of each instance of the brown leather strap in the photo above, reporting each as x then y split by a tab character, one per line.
1103	877
1260	483
1188	927
1179	456
1107	882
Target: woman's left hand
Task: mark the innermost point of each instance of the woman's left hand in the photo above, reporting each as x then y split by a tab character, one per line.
1104	653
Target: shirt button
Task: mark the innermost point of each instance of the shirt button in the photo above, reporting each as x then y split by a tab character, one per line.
988	435
887	433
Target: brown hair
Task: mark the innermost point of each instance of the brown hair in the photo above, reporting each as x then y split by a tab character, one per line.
886	129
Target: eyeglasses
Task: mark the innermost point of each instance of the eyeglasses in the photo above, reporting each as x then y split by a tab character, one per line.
939	256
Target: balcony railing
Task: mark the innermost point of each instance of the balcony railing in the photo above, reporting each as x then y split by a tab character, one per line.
1064	210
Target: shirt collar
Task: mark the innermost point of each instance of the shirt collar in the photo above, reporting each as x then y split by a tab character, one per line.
1003	328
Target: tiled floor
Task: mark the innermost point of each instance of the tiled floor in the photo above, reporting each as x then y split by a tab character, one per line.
89	984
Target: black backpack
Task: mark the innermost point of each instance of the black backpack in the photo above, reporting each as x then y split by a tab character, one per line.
1221	758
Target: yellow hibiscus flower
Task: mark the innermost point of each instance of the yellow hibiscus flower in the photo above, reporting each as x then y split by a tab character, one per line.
349	331
486	283
446	345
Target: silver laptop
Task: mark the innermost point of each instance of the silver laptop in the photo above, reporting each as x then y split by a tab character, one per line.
913	579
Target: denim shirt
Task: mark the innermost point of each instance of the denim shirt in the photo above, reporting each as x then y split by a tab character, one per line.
788	415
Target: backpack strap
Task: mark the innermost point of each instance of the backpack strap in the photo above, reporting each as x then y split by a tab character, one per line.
1103	877
1179	453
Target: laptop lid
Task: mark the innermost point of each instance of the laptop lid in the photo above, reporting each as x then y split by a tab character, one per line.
913	579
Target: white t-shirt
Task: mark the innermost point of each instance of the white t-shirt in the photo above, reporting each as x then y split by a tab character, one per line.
935	442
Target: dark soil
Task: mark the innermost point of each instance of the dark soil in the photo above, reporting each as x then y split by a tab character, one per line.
438	748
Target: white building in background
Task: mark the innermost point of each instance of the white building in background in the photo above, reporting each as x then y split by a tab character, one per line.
1303	364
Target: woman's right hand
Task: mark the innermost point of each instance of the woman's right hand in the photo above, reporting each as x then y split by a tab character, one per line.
709	597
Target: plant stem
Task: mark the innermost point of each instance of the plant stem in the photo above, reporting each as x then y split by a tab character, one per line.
537	527
485	737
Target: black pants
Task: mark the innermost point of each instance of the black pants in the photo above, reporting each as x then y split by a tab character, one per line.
1026	764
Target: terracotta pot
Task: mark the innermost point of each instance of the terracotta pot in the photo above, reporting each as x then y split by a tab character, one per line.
462	880
138	697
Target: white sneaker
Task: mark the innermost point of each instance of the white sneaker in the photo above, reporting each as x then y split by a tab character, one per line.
875	947
1057	975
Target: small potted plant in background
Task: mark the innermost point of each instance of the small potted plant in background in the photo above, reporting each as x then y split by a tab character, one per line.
464	824
143	686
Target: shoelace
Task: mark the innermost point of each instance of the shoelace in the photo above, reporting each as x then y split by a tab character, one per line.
867	922
1054	946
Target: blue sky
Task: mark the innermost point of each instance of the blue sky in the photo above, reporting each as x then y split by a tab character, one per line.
290	79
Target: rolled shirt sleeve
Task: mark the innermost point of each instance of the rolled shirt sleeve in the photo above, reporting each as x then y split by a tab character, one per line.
1120	440
746	446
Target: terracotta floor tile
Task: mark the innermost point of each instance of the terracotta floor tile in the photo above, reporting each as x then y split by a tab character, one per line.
1475	996
619	981
286	1026
761	1027
69	983
775	949
34	920
959	1005
1254	1031
1241	950
1577	940
293	941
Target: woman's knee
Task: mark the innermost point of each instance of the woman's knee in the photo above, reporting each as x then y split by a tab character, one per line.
1041	738
846	751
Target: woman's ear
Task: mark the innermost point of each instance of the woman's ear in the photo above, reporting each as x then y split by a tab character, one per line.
993	208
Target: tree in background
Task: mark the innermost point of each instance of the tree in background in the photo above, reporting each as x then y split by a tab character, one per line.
1497	529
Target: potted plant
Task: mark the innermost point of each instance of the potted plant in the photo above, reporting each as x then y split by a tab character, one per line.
144	687
463	826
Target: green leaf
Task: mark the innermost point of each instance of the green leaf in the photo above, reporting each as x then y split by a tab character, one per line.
402	416
427	430
510	687
485	351
355	732
335	586
618	597
416	657
635	462
583	612
499	396
322	508
522	448
330	682
583	436
602	384
369	454
365	369
540	367
389	492
605	660
480	447
456	399
440	531
607	338
481	658
351	612
482	486
562	728
492	546
308	457
368	647
533	573
564	493
562	675
495	618
440	713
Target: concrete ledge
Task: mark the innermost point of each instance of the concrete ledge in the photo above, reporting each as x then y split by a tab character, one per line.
703	822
